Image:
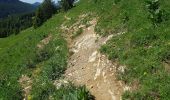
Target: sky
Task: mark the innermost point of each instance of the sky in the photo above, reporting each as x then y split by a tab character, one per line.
33	1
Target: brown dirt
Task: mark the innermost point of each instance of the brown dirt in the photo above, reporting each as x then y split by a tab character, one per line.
87	66
167	66
26	84
44	42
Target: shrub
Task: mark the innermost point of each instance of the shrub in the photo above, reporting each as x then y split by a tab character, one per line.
157	14
42	89
71	92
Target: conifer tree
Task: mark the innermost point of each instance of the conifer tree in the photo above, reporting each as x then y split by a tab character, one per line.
48	9
44	12
67	4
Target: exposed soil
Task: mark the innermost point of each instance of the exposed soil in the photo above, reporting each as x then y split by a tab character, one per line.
87	66
26	84
44	42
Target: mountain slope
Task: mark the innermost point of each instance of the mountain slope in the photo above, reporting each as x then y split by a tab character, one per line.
139	48
33	62
36	3
9	7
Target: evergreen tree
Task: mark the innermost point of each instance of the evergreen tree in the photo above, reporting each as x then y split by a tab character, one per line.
48	9
44	12
38	18
67	4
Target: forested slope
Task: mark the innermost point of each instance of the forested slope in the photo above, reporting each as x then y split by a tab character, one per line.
10	7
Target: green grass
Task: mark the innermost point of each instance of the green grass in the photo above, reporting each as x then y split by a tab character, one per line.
17	51
70	92
20	56
143	48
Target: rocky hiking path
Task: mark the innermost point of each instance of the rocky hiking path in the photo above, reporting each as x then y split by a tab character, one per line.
87	66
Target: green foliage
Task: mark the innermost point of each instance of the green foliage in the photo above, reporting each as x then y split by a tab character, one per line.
44	12
117	1
17	50
145	38
142	47
14	24
108	22
9	90
71	92
157	14
67	4
42	89
52	69
22	57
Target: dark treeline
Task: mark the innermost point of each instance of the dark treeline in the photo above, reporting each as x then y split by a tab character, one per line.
47	9
67	4
12	7
14	24
44	12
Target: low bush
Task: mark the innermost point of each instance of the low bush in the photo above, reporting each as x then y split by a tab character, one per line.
72	92
157	14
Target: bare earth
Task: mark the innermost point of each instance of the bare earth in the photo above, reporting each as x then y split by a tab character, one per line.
87	66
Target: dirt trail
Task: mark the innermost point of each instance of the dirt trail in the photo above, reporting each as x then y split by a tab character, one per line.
87	66
26	84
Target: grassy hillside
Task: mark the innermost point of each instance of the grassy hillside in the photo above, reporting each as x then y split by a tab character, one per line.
144	48
23	57
20	56
141	43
